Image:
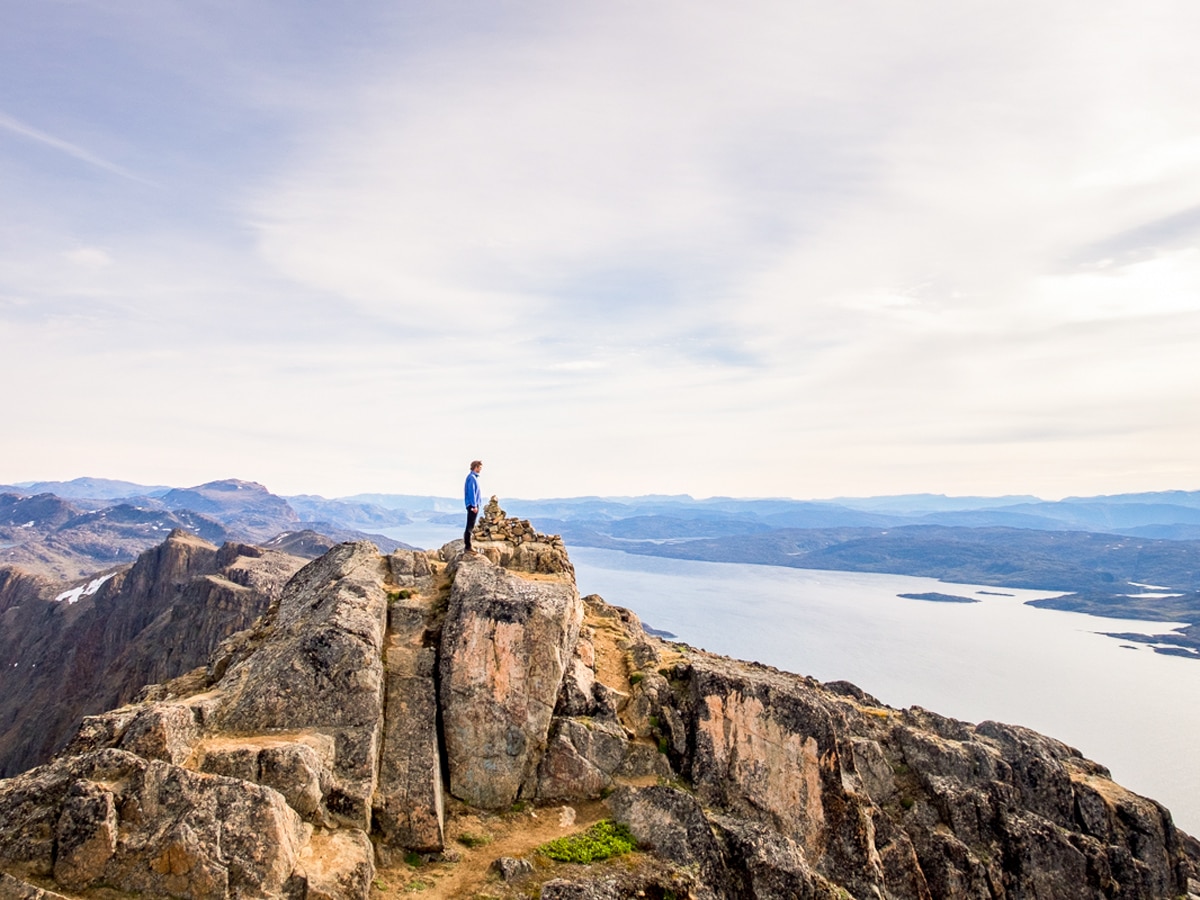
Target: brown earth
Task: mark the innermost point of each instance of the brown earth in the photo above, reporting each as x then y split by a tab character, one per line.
477	839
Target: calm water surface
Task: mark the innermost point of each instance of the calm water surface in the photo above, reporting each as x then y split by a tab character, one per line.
1132	710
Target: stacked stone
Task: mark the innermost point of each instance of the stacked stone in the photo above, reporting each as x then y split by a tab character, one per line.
496	525
516	544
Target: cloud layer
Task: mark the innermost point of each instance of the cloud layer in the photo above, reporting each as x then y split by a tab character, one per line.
788	249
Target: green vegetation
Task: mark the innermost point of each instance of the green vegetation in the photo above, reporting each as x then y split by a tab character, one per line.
603	840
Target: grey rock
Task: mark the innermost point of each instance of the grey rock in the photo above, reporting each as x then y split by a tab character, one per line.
672	824
318	665
584	758
180	833
512	869
299	773
652	878
86	836
766	865
166	731
410	568
15	889
576	697
408	805
598	889
506	643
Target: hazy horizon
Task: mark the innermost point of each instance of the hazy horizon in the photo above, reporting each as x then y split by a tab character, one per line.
453	494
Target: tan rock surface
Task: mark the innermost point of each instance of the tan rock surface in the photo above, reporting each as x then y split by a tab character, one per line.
505	645
741	781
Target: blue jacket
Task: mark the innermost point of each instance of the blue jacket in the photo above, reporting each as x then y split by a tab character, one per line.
471	493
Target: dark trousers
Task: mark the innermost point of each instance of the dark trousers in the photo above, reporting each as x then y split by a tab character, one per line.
472	515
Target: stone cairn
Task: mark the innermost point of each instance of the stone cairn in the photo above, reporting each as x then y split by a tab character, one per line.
516	544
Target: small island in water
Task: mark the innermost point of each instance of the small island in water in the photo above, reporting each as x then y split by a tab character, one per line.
939	598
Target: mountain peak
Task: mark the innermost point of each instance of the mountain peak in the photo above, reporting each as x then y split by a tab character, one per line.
310	750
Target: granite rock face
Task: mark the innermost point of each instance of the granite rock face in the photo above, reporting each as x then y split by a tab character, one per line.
313	744
900	804
113	818
254	777
408	803
505	645
319	666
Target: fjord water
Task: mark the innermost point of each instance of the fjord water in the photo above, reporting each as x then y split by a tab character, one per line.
1129	708
1126	707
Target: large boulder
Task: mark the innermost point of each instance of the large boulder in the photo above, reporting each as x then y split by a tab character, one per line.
585	758
506	643
115	819
317	664
672	824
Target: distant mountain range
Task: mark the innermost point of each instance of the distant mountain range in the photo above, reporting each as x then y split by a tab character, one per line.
1164	514
90	524
1095	550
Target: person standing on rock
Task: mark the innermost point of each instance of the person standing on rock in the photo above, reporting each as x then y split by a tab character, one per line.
474	499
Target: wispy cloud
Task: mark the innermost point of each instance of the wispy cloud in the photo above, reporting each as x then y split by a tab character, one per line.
668	247
15	126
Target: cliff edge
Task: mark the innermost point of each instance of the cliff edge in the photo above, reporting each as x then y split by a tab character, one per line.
384	708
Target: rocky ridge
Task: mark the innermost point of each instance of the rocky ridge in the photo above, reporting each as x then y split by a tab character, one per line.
94	646
46	535
312	747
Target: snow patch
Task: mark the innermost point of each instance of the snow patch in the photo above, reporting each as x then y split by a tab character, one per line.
84	590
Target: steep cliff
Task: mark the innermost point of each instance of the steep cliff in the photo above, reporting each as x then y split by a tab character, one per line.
92	647
385	703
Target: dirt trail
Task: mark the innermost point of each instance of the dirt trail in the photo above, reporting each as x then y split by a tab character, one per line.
479	839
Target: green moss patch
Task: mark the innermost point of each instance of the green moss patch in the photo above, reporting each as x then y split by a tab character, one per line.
604	839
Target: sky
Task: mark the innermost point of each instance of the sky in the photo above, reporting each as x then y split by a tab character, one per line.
767	249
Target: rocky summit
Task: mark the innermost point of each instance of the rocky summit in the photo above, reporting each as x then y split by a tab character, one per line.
382	702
